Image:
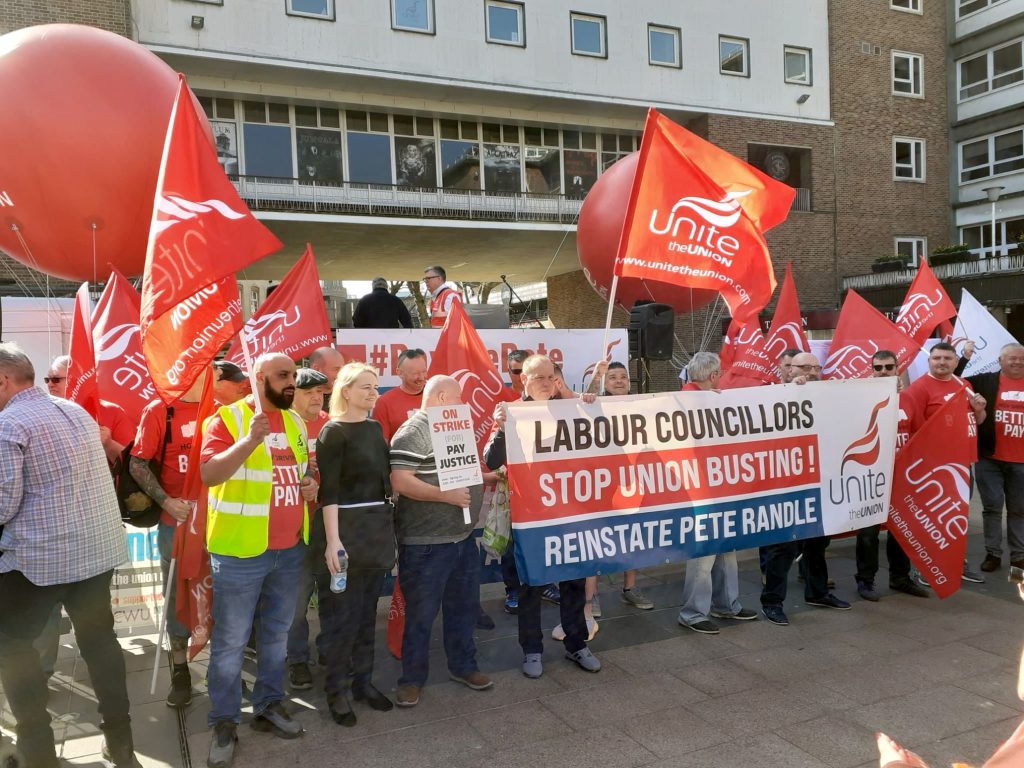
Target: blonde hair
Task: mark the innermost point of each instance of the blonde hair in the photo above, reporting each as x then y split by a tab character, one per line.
346	378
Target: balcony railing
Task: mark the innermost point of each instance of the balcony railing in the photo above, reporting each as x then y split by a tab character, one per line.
276	194
963	270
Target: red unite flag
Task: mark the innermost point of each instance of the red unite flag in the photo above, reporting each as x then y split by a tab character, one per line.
200	235
462	355
926	306
931	496
697	217
861	331
751	367
787	331
81	383
728	352
121	371
292	321
193	583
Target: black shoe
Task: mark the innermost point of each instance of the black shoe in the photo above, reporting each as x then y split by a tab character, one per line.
180	694
991	563
341	711
483	621
829	601
222	744
551	594
775	615
374	699
866	589
300	677
121	755
702	627
908	587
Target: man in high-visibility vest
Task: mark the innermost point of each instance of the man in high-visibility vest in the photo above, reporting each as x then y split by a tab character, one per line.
256	466
442	295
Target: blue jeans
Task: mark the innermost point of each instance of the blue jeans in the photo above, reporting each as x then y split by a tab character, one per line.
239	585
443	577
298	635
176	631
712	582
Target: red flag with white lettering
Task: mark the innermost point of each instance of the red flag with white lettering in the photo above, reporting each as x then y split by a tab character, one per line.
292	321
861	331
727	355
396	621
696	218
752	366
121	372
200	235
193	584
81	384
462	355
787	331
931	496
925	307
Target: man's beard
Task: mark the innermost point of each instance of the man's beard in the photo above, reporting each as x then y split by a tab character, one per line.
278	399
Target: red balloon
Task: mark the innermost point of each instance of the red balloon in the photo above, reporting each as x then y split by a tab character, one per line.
597	240
83	115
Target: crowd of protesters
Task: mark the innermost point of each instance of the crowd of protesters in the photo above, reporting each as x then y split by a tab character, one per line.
314	478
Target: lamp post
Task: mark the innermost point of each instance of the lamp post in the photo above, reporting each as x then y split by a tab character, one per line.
993	196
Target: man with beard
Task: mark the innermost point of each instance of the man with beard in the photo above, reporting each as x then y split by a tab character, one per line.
256	468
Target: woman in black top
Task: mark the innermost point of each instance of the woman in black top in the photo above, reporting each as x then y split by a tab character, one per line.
353	461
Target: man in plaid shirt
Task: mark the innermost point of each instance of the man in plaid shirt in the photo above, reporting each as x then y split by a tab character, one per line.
62	538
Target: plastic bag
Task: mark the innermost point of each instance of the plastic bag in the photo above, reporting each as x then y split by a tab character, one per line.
497	522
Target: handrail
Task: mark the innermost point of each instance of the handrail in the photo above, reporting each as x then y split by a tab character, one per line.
959	270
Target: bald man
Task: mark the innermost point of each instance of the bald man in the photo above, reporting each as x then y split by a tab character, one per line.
437	555
256	467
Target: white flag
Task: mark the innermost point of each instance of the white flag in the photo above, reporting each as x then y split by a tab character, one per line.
974	322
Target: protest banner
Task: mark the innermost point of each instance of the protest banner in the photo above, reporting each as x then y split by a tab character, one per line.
454	444
925	306
575	350
639	480
137	587
975	323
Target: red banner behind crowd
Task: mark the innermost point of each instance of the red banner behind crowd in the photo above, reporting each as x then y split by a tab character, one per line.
931	496
200	235
121	371
462	355
696	216
193	583
925	307
787	331
861	331
292	321
81	384
751	365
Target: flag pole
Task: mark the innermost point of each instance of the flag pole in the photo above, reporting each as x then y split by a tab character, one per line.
163	631
247	355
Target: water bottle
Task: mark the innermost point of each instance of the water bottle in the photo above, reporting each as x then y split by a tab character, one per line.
339	580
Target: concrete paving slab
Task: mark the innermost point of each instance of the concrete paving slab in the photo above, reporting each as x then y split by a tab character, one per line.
833	739
720	677
671	732
764	751
973	746
606	747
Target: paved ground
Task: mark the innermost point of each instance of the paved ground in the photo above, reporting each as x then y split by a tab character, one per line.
940	676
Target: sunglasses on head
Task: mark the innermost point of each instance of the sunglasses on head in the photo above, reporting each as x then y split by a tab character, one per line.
54	379
884	366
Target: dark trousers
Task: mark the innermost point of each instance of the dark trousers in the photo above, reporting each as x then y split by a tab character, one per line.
347	623
867	556
509	574
446	578
24	610
779	560
573	621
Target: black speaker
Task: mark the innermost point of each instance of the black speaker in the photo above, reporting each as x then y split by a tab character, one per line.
651	331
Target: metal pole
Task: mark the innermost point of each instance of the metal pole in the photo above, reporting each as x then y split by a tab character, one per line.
993	229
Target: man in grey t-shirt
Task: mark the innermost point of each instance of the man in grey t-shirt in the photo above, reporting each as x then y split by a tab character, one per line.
437	554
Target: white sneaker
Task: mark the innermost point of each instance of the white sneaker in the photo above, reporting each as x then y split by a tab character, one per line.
595	607
592	628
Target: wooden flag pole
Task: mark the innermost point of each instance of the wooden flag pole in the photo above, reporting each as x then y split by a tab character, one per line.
247	355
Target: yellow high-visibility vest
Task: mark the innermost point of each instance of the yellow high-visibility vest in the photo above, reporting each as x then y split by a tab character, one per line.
238	513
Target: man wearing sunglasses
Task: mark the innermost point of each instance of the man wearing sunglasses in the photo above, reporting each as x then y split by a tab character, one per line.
442	295
884	365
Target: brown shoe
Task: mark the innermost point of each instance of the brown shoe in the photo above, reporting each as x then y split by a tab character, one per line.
408	696
991	563
478	681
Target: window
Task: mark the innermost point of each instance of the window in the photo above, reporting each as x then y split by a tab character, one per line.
797	65
413	15
991	70
992	155
910	6
580	166
664	46
614	147
542	160
318	151
907	159
1008	234
368	147
790	165
504	23
589	37
967	7
317	9
911	248
906	74
733	55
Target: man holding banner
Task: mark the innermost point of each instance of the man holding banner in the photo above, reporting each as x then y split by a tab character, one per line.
539	385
